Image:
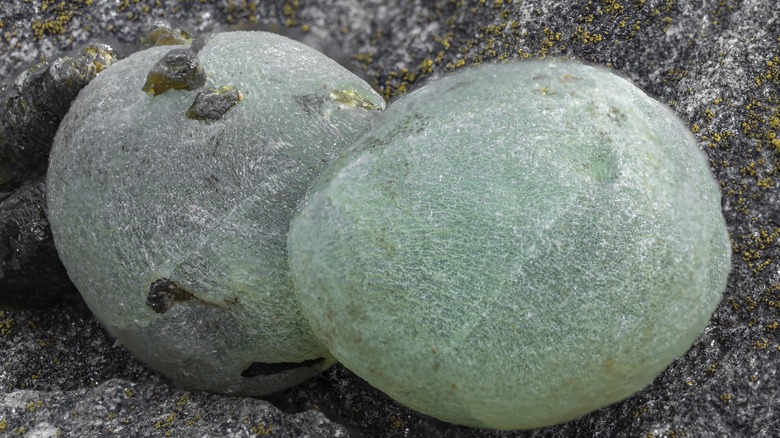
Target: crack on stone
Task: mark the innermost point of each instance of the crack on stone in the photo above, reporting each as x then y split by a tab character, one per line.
268	368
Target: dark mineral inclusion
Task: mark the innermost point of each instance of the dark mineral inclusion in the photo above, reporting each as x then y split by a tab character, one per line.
179	69
164	293
213	104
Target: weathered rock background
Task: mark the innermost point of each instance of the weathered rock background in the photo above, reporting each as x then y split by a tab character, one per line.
716	62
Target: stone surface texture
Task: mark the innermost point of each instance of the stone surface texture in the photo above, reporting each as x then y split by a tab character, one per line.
716	63
31	275
174	229
513	245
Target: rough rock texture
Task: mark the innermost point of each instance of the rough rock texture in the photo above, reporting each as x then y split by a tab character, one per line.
31	275
717	63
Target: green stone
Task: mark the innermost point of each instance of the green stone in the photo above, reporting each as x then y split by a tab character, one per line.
170	208
513	246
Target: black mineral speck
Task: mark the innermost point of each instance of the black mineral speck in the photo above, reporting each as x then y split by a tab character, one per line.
179	69
213	104
164	293
267	369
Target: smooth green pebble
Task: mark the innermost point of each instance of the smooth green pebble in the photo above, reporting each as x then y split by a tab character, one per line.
171	185
514	245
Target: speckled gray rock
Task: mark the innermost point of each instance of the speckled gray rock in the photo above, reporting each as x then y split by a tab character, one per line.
31	274
170	188
112	408
713	62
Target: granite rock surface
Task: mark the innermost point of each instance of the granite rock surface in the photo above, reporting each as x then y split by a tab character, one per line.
716	63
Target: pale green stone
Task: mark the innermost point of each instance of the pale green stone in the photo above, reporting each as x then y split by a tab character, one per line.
514	246
143	188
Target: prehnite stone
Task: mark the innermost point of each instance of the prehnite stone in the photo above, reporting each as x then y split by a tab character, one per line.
173	227
513	246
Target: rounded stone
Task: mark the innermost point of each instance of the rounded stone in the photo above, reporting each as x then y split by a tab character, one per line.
170	207
513	246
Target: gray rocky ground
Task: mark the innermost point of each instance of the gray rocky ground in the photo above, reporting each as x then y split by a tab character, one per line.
716	62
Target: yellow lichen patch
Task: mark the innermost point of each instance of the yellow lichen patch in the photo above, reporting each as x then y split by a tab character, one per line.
613	7
246	12
667	23
261	429
33	406
55	26
457	64
548	41
364	58
397	422
142	9
426	67
446	40
771	298
6	323
508	34
194	420
674	74
405	77
766	183
166	422
760	125
753	247
290	13
58	14
589	38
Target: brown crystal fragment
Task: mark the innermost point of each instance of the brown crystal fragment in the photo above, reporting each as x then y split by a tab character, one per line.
179	69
